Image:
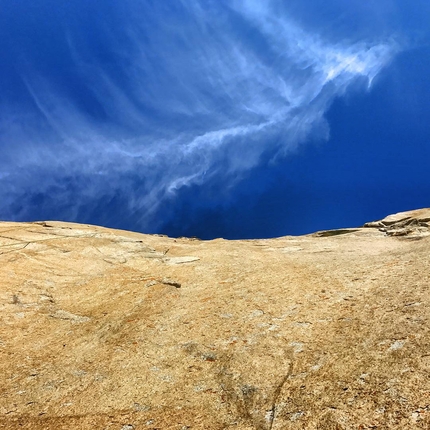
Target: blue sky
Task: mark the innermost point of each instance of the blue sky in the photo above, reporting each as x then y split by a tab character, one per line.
208	118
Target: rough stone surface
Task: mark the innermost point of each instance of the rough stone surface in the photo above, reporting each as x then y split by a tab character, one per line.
108	329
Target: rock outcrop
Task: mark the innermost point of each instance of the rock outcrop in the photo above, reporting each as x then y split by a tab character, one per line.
108	329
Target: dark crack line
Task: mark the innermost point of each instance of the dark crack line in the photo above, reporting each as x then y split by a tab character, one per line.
27	242
276	395
15	244
83	236
14	250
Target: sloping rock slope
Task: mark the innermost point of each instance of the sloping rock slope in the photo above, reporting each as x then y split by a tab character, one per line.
108	329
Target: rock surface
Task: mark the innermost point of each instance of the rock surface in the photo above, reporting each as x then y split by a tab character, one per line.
108	329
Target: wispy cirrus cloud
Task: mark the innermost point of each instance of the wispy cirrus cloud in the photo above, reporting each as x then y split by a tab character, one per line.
173	96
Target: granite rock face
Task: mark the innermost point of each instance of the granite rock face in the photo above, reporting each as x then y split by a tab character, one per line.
108	329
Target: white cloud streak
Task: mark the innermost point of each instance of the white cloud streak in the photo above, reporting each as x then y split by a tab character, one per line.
198	97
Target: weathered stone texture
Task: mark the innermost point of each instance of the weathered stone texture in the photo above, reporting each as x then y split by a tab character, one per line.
107	329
